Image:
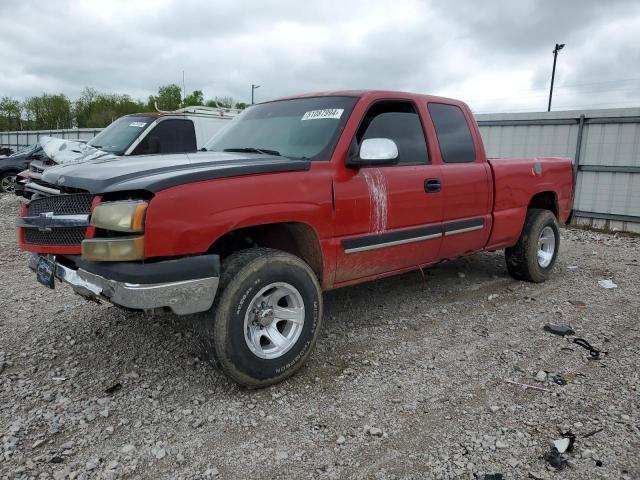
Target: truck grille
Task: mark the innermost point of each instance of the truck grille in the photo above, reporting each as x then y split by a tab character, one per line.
66	204
73	204
57	236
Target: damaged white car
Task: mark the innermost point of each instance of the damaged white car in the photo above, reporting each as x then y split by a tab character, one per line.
181	131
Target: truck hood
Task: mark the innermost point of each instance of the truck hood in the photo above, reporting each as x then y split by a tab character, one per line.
110	173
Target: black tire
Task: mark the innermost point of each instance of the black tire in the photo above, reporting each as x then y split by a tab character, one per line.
244	275
4	177
522	258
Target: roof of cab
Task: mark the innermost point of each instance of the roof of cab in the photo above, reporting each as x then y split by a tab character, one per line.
391	94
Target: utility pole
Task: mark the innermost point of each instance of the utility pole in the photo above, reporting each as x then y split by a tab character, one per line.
184	88
559	46
253	88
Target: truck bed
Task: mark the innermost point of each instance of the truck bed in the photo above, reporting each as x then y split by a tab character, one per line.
516	181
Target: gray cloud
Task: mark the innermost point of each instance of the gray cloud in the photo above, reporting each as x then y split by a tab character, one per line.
494	54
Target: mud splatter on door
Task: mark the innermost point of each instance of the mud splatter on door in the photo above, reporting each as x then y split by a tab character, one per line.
378	199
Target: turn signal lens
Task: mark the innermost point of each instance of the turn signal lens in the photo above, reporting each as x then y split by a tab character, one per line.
113	249
121	216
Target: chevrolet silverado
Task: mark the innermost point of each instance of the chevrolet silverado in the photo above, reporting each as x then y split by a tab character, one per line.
296	196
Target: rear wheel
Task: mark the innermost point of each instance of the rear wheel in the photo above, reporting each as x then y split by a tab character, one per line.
8	182
534	256
266	318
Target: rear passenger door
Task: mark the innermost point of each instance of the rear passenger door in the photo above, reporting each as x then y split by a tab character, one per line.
385	219
466	183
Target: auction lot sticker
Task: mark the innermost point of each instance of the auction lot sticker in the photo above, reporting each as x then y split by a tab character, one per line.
324	113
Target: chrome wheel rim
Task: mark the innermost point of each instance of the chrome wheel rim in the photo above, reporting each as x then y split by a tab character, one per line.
8	183
546	246
274	320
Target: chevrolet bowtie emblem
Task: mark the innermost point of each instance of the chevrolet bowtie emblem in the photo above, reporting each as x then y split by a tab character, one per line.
44	221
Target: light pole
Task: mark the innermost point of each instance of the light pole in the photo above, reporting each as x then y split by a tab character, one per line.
559	46
253	88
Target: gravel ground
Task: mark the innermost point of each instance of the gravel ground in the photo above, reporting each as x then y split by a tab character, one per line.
408	380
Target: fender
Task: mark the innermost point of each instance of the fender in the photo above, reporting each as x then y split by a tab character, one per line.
186	219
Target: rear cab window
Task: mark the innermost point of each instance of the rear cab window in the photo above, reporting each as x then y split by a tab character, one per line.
452	130
168	136
399	121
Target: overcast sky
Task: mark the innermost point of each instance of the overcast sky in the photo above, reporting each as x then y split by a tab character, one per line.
495	55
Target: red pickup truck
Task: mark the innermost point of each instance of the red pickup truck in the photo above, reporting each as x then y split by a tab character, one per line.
293	197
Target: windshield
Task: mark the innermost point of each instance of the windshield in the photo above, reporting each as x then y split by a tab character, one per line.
117	137
300	128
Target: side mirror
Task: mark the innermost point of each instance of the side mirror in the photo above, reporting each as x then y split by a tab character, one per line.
374	152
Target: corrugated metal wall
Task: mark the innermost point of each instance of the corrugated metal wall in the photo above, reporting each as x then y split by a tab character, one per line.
21	139
605	143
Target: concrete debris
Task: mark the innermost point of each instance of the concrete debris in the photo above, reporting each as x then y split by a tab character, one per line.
607	284
562	444
541	376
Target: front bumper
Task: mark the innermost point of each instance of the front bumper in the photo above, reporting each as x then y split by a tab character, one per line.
186	285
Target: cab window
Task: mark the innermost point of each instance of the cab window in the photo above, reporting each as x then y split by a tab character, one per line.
452	130
400	122
168	136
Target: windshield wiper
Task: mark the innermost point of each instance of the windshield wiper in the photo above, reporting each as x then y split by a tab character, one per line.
264	151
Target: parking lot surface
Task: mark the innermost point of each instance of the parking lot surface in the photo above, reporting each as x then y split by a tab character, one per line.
410	379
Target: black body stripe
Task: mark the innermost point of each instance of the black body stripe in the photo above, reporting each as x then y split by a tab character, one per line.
463	224
390	237
229	170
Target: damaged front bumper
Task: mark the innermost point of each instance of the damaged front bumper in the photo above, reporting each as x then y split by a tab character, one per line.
187	285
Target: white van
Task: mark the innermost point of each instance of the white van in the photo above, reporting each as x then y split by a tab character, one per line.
181	131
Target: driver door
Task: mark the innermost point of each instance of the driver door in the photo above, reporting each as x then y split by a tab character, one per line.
389	218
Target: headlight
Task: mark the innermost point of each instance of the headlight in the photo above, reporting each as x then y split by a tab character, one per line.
121	216
113	249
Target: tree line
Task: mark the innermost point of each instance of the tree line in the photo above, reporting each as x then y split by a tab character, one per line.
95	109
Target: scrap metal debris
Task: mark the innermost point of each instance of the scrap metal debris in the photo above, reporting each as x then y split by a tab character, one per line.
593	352
556	455
561	330
558	379
593	432
525	386
578	304
113	389
555	458
564	330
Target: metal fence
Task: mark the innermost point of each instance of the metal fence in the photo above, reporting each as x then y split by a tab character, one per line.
603	144
20	139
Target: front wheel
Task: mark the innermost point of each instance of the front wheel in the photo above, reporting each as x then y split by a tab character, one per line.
267	317
534	256
7	182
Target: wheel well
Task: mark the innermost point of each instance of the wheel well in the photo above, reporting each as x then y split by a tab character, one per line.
296	238
546	201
